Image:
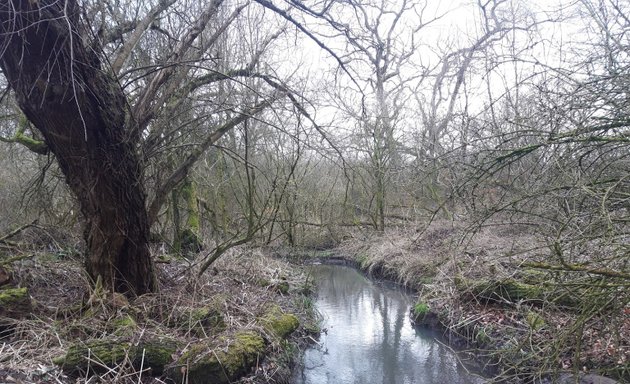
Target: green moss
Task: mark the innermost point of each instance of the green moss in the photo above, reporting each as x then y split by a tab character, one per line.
512	290
243	353
281	287
534	320
150	354
500	290
363	259
262	282
209	319
165	258
202	321
420	309
189	239
189	192
11	296
204	363
533	276
323	254
125	321
482	338
156	354
37	146
278	323
105	352
14	303
199	314
421	313
123	326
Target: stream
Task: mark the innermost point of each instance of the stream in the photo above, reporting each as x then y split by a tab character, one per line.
368	337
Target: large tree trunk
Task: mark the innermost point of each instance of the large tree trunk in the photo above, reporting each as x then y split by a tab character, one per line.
80	110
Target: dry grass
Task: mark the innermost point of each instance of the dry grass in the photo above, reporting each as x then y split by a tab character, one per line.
593	336
240	284
417	256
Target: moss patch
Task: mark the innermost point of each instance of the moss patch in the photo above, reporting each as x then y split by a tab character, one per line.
420	310
262	282
512	290
106	352
534	320
499	290
202	321
156	354
204	364
14	302
243	353
281	287
278	323
150	354
123	326
12	295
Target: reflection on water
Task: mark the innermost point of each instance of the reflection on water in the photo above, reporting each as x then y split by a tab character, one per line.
370	338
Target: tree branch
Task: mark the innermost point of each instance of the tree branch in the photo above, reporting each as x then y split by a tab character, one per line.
138	31
182	171
34	145
578	268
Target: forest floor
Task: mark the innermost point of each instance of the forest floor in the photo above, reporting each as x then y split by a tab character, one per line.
233	298
520	323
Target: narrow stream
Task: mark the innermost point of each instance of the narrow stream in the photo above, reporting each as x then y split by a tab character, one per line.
369	338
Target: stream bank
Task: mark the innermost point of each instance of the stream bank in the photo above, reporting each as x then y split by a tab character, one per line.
514	320
478	297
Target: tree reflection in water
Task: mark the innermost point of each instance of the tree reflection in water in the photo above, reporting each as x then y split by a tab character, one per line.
370	338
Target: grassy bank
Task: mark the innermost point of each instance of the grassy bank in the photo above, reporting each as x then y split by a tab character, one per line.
494	294
242	315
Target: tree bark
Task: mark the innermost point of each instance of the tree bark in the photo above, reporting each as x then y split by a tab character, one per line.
80	110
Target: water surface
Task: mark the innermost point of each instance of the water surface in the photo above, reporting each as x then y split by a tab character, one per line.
369	338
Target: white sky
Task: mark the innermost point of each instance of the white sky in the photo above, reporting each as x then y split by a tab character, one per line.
459	28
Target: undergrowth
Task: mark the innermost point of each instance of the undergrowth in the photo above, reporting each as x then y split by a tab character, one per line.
186	310
522	322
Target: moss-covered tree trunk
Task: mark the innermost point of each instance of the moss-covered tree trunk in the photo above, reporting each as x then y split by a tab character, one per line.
177	225
81	112
190	236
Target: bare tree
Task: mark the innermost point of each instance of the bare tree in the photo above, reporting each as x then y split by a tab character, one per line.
380	43
549	152
99	86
